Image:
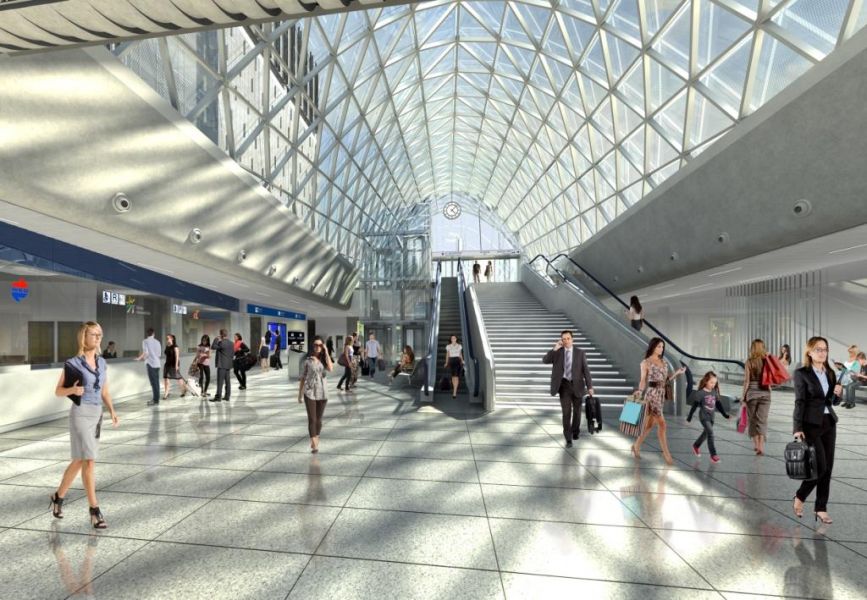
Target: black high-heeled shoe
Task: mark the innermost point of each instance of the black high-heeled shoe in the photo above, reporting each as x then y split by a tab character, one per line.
96	518
826	520
56	506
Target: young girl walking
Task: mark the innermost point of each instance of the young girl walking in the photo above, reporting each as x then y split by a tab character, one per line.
706	400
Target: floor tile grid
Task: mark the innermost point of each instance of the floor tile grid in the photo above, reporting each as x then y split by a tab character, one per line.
647	525
156	540
824	532
487	517
337	516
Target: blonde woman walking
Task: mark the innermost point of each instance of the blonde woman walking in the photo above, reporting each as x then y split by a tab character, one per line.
756	397
85	419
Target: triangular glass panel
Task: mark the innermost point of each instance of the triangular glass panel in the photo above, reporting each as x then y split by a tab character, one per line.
631	88
659	151
536	20
813	22
513	33
724	82
555	43
621	55
670	120
778	67
593	93
718	30
662	84
623	19
447	30
626	171
594	63
708	121
426	20
471	28
576	32
625	119
673	43
658	14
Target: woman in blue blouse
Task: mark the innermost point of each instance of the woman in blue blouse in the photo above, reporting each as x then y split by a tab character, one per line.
85	419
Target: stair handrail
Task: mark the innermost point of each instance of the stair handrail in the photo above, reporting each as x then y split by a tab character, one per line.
433	338
661	335
465	332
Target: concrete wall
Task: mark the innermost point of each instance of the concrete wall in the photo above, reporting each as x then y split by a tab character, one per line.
807	143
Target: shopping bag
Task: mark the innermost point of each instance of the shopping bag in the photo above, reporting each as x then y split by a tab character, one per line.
743	419
632	417
193	387
774	372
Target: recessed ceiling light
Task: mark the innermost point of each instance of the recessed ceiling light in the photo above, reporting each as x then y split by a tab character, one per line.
838	251
718	273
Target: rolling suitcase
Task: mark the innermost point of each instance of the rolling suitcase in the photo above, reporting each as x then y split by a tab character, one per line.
593	412
365	370
273	361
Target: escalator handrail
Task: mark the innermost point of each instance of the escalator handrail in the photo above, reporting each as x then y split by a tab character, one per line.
662	336
465	326
430	373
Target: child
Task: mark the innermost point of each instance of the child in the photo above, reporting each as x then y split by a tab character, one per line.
706	400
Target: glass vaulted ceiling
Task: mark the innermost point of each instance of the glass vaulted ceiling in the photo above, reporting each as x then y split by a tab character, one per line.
555	116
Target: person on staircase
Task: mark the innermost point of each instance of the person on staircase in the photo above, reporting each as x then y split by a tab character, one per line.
454	363
655	378
570	379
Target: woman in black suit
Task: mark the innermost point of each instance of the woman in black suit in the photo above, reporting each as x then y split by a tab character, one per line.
815	421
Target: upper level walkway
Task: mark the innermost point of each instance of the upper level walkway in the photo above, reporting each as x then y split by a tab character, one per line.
226	501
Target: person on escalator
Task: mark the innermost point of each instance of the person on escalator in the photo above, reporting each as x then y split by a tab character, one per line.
635	314
454	363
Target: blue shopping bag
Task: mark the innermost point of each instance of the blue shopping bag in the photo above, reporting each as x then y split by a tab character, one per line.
631	412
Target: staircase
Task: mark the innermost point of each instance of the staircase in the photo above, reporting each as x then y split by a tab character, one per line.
450	324
521	330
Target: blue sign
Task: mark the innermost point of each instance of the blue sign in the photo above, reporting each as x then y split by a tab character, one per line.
20	290
255	309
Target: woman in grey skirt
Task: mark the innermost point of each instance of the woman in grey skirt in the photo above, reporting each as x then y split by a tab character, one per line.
85	419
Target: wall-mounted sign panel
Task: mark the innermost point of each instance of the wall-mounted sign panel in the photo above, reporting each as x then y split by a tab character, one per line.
267	311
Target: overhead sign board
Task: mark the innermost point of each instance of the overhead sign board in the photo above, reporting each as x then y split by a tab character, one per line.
267	311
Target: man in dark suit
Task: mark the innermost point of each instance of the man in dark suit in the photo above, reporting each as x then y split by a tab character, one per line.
570	378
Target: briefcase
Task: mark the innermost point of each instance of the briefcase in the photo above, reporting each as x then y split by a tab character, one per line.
801	461
593	412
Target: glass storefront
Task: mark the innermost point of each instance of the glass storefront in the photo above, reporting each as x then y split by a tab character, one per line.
41	311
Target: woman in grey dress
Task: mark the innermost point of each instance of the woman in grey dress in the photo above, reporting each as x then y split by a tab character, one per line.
85	419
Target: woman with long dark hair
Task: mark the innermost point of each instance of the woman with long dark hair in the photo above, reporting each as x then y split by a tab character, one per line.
785	355
312	390
635	313
172	370
241	351
203	359
815	422
454	363
85	419
406	364
655	375
346	361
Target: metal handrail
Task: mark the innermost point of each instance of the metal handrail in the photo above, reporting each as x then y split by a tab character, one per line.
465	327
661	335
433	339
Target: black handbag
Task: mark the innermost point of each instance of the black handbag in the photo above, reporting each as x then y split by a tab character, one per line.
801	461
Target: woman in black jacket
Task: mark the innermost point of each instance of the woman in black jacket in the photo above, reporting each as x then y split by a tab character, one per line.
815	421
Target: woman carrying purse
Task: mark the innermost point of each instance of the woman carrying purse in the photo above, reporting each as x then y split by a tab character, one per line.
816	423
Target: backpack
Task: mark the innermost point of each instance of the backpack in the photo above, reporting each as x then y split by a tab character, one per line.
773	371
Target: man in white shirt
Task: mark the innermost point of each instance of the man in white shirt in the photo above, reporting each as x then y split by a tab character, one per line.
151	350
372	352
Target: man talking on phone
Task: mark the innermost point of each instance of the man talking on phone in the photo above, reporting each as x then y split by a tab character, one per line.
570	378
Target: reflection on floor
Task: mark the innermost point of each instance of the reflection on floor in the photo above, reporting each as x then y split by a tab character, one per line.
226	501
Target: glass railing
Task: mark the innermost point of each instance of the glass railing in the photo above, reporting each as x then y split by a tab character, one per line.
429	370
730	373
473	371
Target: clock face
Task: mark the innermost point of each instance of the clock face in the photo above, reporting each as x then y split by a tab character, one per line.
452	210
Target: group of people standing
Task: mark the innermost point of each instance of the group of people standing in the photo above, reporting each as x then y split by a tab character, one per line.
230	356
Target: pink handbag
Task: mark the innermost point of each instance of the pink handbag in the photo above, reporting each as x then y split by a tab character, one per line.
743	420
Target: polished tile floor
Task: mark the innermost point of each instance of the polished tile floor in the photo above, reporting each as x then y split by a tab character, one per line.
403	501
